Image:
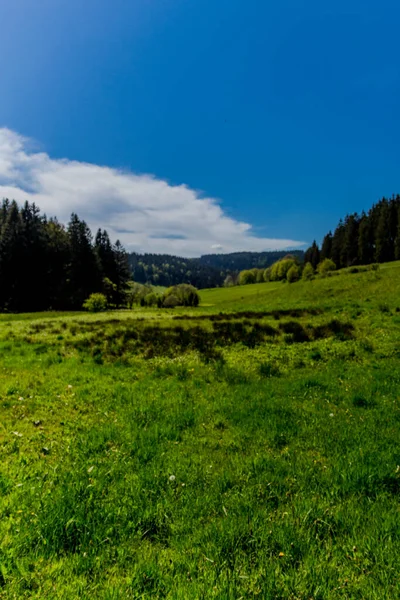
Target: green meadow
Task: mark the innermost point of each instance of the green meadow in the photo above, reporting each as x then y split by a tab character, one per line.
247	448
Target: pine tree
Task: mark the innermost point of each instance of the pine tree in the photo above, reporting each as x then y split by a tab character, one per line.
123	273
307	255
397	240
326	248
312	255
383	250
105	254
11	254
350	242
84	270
58	261
5	207
338	245
33	268
365	245
315	258
392	226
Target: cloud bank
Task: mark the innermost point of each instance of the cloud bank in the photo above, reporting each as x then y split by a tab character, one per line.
147	214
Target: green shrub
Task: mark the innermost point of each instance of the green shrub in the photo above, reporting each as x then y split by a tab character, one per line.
109	290
293	274
170	301
267	274
151	299
260	276
308	272
357	269
228	281
184	295
95	303
136	293
326	266
246	277
279	270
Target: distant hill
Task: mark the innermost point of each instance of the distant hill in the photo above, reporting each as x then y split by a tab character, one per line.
207	271
237	261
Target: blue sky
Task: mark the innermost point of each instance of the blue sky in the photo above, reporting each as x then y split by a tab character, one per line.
278	117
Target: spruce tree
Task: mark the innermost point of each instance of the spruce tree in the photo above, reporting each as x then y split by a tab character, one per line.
105	254
338	245
365	245
350	242
312	255
5	206
326	248
84	276
383	248
392	226
315	256
58	261
123	273
33	267
397	240
11	255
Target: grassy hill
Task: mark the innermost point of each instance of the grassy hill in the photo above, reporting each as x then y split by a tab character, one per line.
244	449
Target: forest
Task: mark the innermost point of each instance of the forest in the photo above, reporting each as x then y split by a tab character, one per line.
166	270
372	237
208	271
44	265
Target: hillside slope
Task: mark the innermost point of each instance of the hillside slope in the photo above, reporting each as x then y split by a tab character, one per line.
343	286
244	449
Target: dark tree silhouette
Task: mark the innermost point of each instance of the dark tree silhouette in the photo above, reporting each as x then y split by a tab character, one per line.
45	266
366	238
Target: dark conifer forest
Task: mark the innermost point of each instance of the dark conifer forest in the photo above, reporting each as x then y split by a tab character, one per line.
44	265
372	237
207	271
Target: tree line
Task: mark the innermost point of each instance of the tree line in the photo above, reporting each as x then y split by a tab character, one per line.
167	270
238	261
288	268
372	237
208	271
44	265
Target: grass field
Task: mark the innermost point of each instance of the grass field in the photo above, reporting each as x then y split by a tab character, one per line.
248	448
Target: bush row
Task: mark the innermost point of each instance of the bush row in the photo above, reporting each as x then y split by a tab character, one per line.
177	295
290	269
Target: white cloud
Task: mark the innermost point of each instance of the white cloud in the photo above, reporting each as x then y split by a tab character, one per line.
147	214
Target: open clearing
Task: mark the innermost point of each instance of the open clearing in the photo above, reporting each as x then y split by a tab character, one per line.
248	448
